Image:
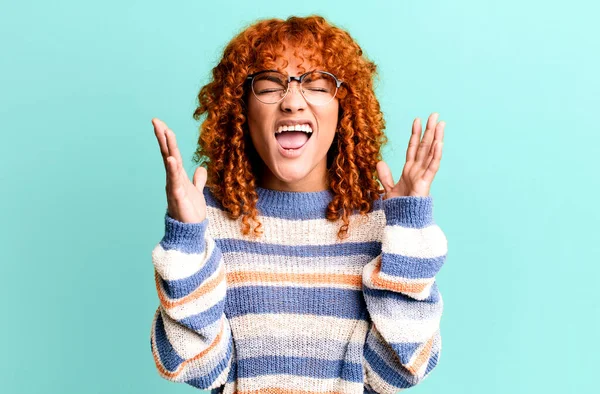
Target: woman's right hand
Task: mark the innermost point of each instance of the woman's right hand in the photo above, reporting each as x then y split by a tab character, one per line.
185	200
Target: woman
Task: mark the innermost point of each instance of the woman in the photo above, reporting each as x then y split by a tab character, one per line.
284	266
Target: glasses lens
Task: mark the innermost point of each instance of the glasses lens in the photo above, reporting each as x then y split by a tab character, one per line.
269	87
319	88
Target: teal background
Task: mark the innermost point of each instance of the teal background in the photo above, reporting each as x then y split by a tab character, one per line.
83	194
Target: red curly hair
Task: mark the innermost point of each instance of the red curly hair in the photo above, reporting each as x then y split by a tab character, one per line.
224	146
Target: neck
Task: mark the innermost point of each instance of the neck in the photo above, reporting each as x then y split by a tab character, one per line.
317	180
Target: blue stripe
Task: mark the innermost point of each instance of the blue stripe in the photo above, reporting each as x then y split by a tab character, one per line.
433	360
204	319
184	237
232	371
202	382
386	372
404	350
230	245
322	301
409	211
433	298
210	199
410	267
181	287
168	357
275	203
301	366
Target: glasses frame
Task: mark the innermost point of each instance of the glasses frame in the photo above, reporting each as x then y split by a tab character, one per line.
298	79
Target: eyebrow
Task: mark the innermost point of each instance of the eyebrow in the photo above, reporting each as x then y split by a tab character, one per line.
274	79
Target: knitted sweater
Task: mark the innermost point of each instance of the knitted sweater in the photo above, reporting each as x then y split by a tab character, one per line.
296	309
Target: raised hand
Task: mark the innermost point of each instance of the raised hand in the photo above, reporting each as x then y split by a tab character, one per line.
185	200
422	161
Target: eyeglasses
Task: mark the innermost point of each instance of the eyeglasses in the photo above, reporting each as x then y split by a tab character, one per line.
317	87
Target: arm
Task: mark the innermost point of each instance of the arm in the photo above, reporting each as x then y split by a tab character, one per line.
403	342
190	339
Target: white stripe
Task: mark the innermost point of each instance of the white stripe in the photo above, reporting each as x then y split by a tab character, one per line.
403	309
173	264
240	261
437	345
295	284
222	378
428	242
285	324
406	330
293	382
301	346
306	232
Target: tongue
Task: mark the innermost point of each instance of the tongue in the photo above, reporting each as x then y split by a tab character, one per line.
291	139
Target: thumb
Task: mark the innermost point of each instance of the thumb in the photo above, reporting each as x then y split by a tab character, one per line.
200	178
385	176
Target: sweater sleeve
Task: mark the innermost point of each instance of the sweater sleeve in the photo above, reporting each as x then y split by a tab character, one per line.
403	343
191	338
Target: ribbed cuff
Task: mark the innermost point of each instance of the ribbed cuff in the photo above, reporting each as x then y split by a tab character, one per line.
186	237
409	211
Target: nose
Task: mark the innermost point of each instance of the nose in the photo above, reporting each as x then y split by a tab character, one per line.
294	100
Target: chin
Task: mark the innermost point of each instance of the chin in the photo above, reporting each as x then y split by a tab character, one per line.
291	175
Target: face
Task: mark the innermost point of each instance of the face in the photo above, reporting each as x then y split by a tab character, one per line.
302	167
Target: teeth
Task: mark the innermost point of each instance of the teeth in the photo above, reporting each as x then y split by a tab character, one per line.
298	127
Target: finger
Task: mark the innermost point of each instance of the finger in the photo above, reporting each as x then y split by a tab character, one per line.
172	174
439	131
434	165
173	148
413	143
427	139
385	176
200	178
439	137
159	132
159	123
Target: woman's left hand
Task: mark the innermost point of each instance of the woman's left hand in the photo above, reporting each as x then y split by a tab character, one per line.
422	161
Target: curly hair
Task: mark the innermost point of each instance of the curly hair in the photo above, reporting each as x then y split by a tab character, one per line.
224	146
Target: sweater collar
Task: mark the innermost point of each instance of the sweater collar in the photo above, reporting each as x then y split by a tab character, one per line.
298	205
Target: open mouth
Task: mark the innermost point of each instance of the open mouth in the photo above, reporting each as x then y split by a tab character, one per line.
293	136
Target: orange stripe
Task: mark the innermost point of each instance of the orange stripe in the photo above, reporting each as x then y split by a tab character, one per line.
180	368
422	357
395	286
256	276
199	292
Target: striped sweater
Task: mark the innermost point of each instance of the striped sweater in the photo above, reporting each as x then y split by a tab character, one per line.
297	309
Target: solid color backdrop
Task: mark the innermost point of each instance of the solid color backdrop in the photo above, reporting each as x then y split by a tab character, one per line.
83	196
